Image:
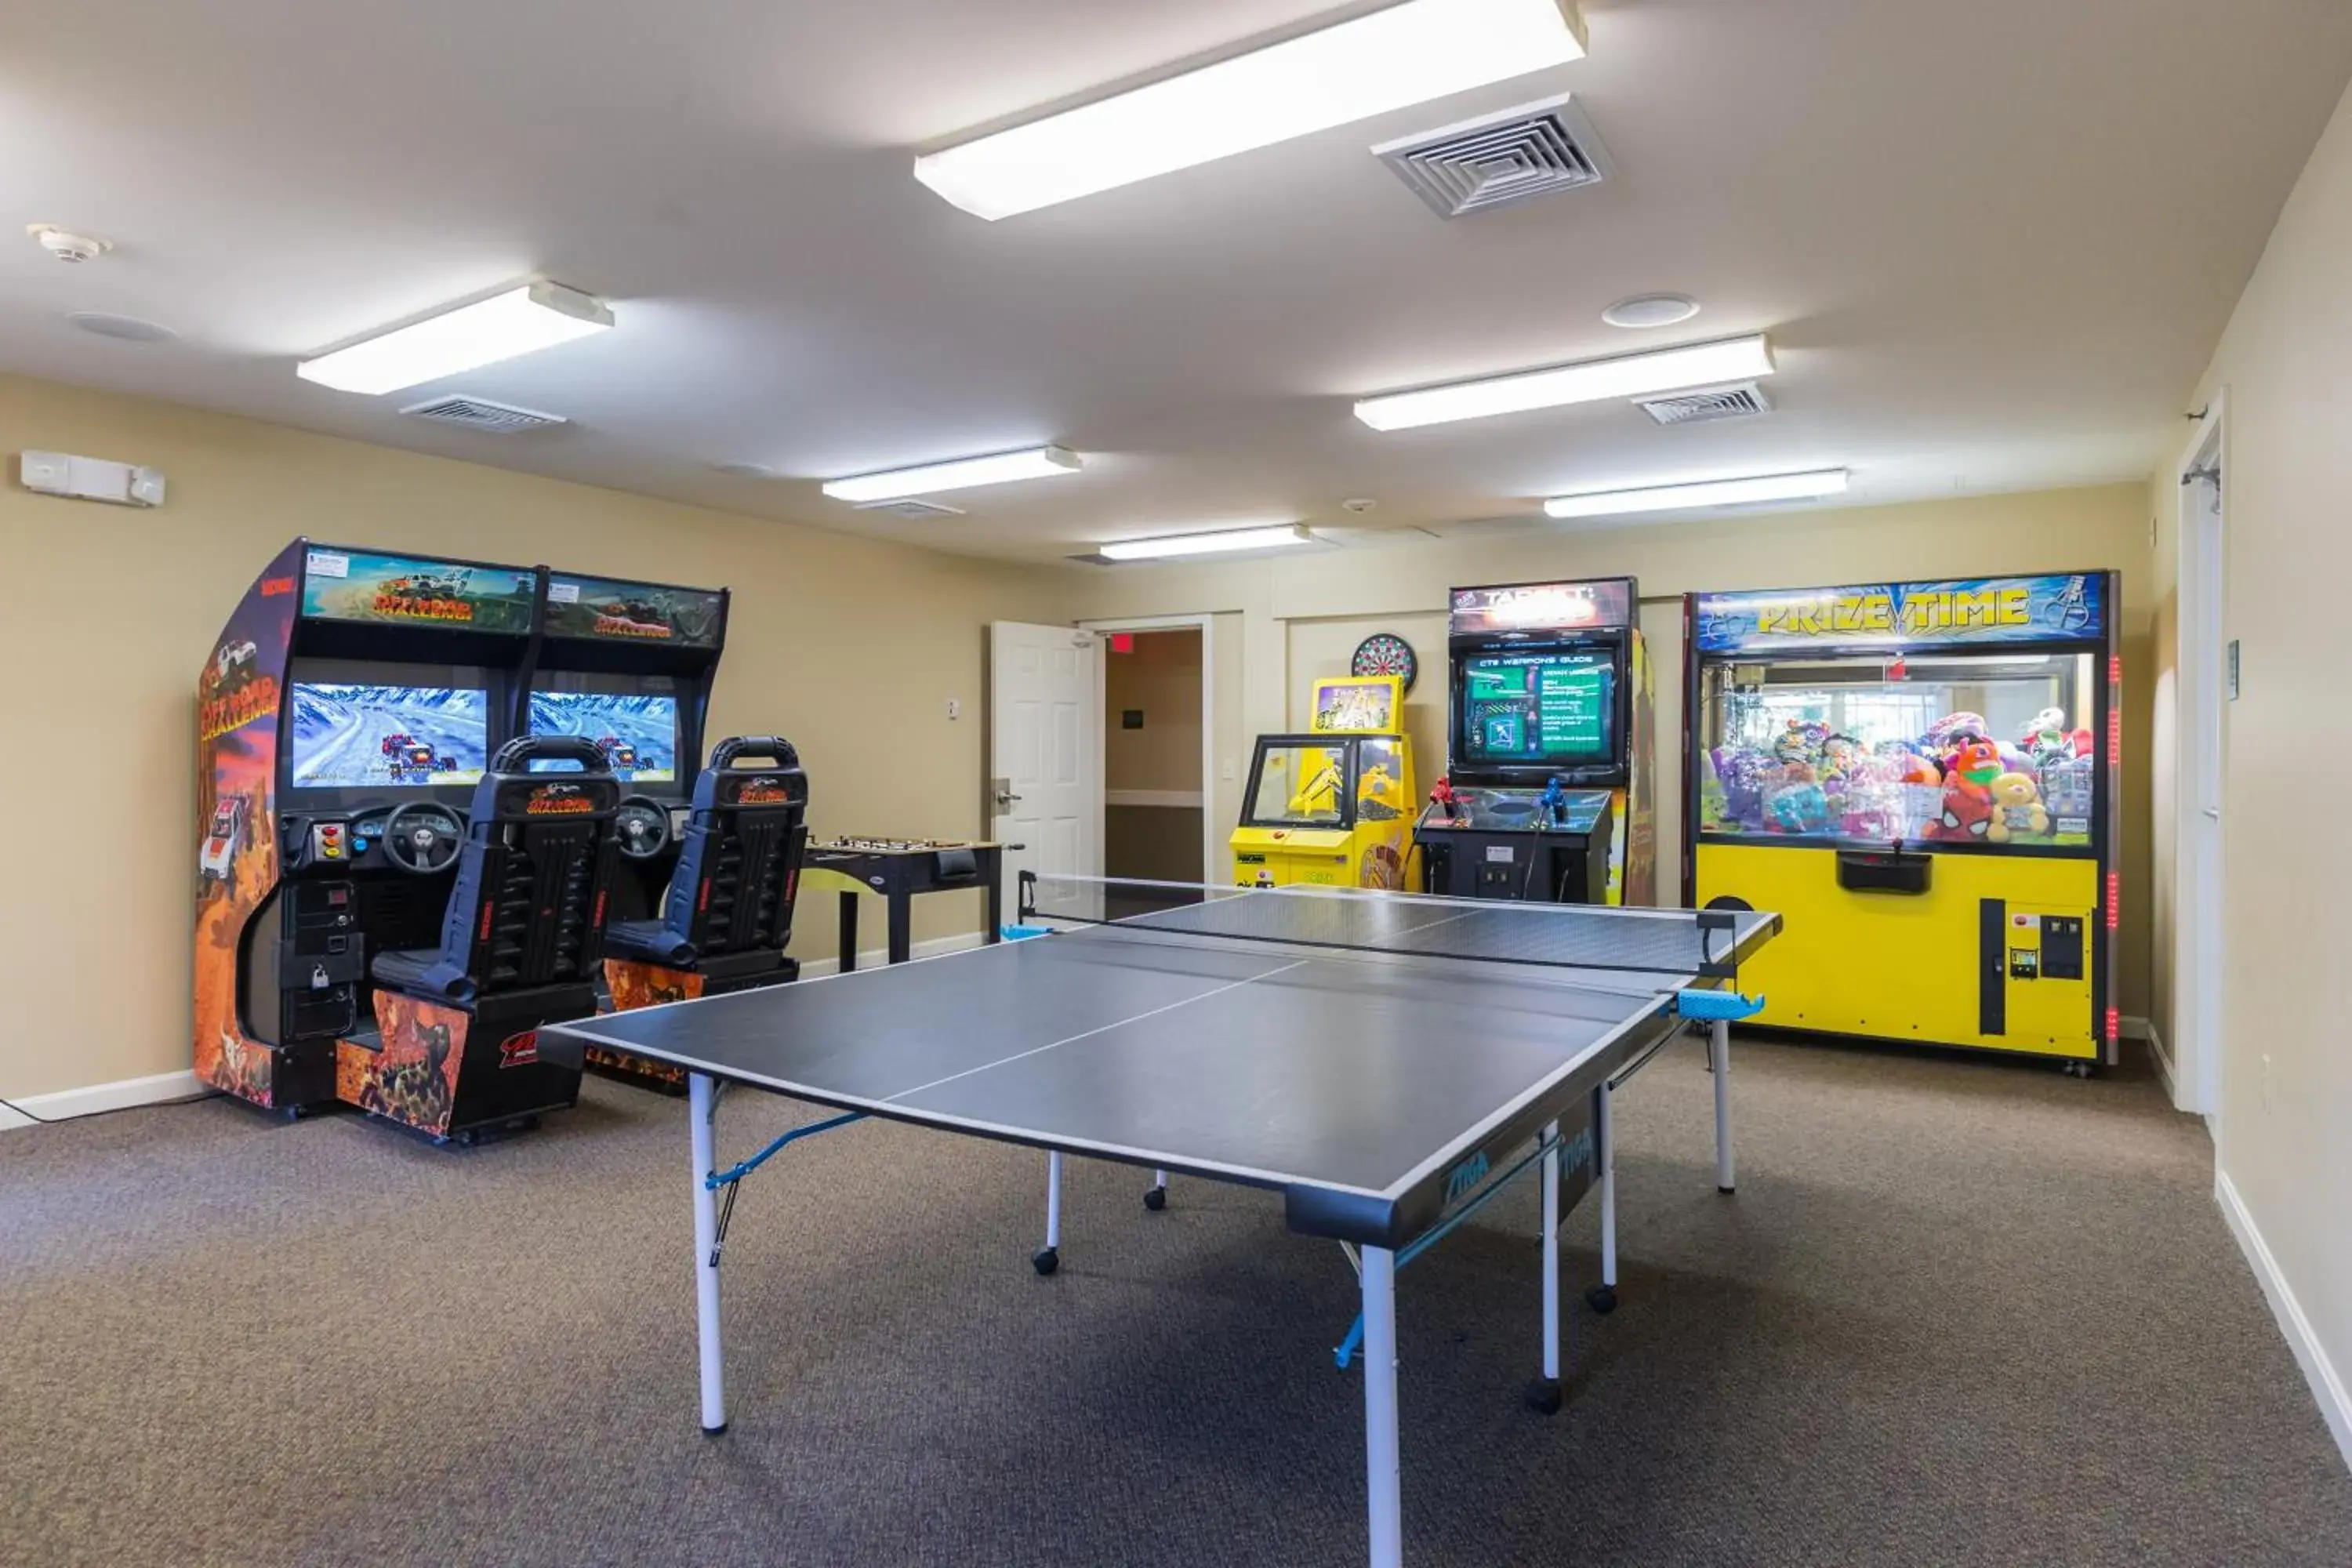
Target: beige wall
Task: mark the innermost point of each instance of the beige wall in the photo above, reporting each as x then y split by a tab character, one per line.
849	648
1300	614
1161	678
2284	366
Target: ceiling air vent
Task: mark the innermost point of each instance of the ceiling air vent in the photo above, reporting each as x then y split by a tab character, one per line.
481	414
1711	402
1497	160
909	506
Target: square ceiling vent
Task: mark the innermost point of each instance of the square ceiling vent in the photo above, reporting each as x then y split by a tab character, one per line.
1499	160
1710	403
481	413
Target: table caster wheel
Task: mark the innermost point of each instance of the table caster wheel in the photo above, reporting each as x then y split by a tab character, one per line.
1602	1299
1046	1260
1156	1199
1543	1395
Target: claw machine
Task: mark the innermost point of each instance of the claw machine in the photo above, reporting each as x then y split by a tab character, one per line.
1923	779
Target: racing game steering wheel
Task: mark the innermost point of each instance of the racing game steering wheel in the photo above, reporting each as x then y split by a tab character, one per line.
642	827
422	838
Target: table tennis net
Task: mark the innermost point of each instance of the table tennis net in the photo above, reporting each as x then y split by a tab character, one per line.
1703	943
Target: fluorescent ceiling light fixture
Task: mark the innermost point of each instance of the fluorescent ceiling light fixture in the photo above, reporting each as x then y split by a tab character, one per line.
1208	544
521	321
1589	380
1401	55
1711	492
959	474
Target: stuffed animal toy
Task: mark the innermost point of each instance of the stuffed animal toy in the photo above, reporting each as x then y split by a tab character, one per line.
1968	813
1796	805
2049	722
1871	805
1742	774
2017	808
1802	742
1953	731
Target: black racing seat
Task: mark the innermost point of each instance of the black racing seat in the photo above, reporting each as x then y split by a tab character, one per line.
730	907
527	908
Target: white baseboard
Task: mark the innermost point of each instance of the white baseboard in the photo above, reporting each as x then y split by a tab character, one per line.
2335	1405
158	1088
876	957
2161	1054
67	1103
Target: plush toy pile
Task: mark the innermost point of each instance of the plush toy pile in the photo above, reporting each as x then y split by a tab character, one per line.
1955	783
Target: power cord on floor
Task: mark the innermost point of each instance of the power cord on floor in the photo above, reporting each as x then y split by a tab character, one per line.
40	1121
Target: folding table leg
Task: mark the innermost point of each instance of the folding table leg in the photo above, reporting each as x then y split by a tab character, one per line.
702	1114
1718	1054
1384	1494
1049	1257
1602	1298
1155	1197
1543	1394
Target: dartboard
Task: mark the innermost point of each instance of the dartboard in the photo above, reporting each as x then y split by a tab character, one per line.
1385	653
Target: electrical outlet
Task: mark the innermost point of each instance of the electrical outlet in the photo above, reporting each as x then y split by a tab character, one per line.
955	708
1228	771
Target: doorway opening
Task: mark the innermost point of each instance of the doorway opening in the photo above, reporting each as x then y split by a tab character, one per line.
1155	728
2206	683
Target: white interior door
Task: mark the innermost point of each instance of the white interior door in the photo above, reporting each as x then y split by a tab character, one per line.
1045	759
2204	690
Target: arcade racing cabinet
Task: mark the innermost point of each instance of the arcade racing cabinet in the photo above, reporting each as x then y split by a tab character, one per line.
1546	793
454	1050
352	696
630	665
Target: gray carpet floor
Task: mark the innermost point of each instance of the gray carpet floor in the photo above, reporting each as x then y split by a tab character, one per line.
1960	1313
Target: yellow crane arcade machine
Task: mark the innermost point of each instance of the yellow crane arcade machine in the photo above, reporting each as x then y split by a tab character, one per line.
1922	778
1332	807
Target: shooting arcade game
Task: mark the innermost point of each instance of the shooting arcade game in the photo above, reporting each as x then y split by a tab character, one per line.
347	716
1330	807
1547	793
1922	778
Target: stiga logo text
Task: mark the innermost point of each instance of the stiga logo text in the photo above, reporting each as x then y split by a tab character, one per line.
1465	1177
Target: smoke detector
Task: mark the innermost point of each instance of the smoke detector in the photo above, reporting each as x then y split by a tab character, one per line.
66	246
481	413
1497	160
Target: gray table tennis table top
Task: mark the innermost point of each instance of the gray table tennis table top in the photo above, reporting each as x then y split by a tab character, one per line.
1358	1053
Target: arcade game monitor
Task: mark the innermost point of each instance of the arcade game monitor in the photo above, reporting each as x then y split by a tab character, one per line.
1921	778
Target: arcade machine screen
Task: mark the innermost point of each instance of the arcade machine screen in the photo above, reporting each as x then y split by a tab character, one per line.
637	732
362	735
1536	709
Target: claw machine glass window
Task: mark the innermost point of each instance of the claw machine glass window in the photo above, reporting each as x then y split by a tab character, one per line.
1992	749
1300	783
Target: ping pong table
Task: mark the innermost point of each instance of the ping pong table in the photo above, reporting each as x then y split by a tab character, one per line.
1385	1062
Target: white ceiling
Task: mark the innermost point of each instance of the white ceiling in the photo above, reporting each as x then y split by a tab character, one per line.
1993	241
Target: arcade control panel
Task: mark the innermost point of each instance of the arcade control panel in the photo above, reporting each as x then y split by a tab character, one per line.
1512	843
312	957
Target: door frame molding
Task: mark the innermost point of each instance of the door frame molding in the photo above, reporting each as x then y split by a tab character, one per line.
1206	622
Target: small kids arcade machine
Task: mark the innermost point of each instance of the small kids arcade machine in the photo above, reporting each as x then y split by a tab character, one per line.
1922	778
1547	795
345	715
1332	806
